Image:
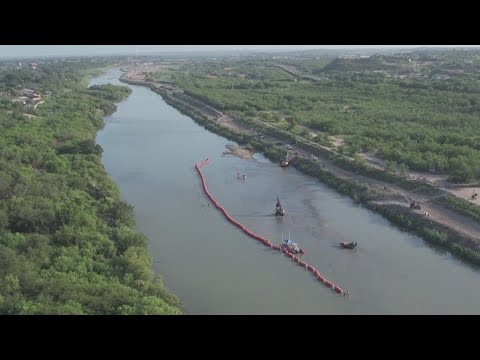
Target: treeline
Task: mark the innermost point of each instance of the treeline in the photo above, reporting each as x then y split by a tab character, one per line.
423	124
68	244
110	92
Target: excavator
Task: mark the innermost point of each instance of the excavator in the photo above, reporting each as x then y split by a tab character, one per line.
415	205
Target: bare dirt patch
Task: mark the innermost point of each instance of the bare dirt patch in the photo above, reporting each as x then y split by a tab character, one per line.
338	141
465	192
239	152
437	179
137	73
228	122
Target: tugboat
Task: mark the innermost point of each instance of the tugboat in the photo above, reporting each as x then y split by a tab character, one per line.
350	245
292	247
279	210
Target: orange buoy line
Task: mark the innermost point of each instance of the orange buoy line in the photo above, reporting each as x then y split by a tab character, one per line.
295	258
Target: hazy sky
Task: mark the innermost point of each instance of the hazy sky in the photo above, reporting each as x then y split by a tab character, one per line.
81	50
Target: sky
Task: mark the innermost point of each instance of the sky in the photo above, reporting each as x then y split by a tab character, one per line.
13	51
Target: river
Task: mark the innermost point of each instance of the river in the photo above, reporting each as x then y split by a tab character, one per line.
150	150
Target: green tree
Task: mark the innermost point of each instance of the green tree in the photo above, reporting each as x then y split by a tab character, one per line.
403	169
391	166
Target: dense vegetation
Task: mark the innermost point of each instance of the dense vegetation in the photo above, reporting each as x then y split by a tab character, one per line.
396	107
68	244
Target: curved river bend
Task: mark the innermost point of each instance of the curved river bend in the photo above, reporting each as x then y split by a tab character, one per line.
150	150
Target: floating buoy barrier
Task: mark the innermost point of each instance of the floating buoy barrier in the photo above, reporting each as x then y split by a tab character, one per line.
315	272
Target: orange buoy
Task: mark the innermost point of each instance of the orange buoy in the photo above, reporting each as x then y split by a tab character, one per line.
259	238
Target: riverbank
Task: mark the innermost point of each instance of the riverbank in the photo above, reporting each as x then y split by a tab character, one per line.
68	242
460	235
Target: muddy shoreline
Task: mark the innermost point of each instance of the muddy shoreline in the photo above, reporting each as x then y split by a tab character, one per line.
238	151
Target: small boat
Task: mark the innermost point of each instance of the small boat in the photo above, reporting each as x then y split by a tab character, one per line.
292	247
349	245
279	210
